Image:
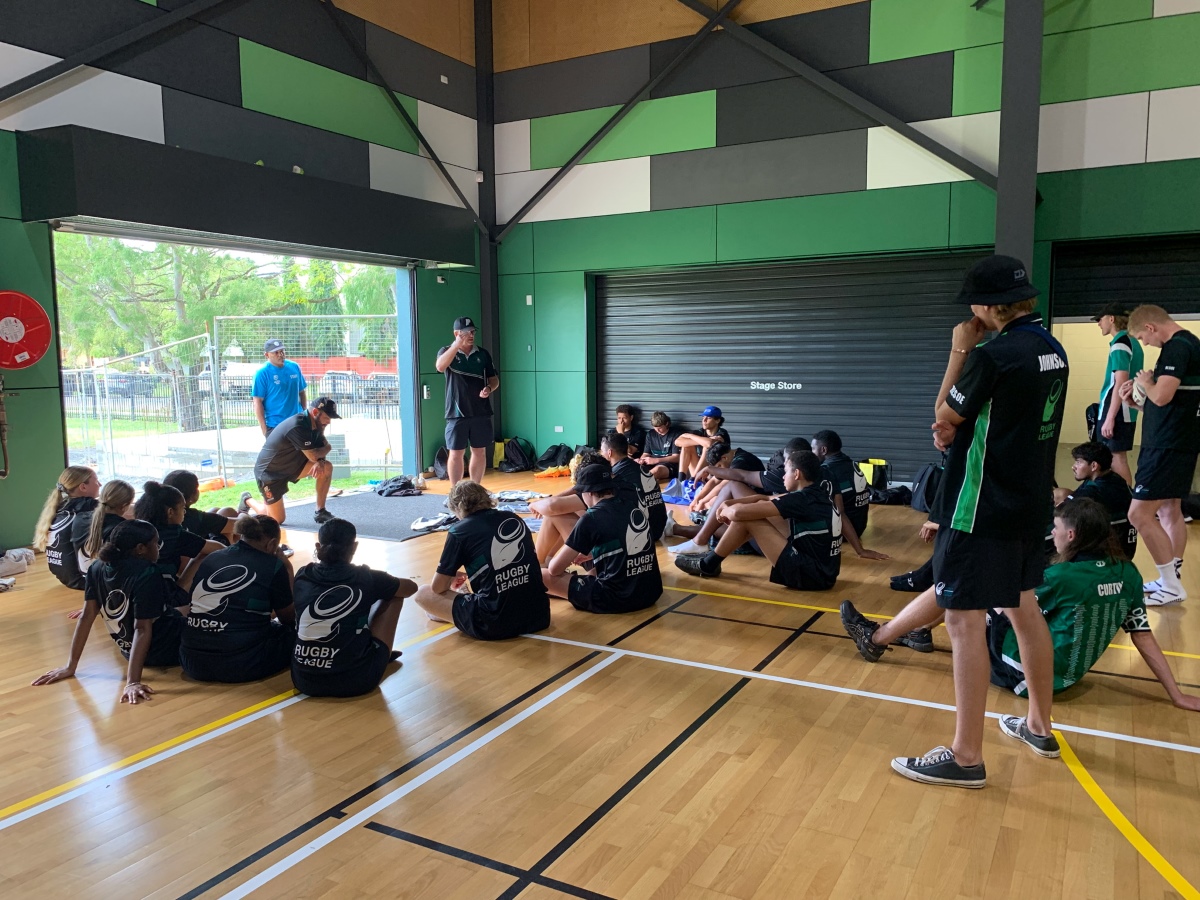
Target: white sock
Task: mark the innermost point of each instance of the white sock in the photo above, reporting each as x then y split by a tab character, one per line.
1178	564
1170	581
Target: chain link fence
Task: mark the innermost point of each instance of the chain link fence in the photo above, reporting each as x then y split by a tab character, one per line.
189	404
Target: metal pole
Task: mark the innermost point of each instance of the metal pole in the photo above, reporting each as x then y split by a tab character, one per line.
214	374
107	412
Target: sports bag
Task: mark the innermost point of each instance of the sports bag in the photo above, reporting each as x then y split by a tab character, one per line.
925	485
441	461
519	456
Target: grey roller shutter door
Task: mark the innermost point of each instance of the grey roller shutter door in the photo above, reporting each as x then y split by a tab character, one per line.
1164	271
866	340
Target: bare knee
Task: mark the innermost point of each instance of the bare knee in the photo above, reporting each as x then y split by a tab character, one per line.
965	624
1142	514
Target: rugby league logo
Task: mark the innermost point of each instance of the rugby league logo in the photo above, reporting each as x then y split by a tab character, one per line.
319	622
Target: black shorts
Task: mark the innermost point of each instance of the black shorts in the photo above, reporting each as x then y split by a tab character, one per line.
509	624
470	431
1122	439
587	594
672	468
1164	474
772	482
164	641
363	678
790	571
975	572
1004	674
273	491
261	660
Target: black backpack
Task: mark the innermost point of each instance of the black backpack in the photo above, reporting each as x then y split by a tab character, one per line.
925	485
399	486
554	455
441	460
893	496
519	455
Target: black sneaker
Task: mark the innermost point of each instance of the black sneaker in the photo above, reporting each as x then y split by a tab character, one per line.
905	583
243	506
1016	727
698	566
939	766
920	640
322	515
860	629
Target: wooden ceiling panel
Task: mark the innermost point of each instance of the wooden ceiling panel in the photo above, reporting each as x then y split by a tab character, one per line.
447	26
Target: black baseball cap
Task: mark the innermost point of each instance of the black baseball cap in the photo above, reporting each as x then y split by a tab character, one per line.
995	281
326	405
1112	309
272	345
593	478
464	323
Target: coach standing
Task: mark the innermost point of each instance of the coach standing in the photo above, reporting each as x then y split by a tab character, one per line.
471	379
279	388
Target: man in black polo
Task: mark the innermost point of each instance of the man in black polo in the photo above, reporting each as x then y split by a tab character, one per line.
1092	464
999	414
847	489
660	452
471	379
631	474
294	449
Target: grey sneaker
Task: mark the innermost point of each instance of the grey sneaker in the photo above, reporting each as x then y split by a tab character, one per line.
1015	727
860	629
695	565
920	640
939	766
243	506
322	515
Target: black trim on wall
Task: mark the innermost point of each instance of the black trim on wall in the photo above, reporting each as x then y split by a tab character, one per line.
71	171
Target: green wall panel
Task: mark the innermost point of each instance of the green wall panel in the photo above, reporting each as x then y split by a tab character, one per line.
1122	59
438	305
515	253
519	404
26	266
1151	198
972	214
676	237
667	125
291	88
433	415
560	310
10	188
562	401
908	218
1076	15
977	79
1042	251
517	318
35	449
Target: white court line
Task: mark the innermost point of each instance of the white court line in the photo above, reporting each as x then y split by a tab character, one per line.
121	774
382	803
890	698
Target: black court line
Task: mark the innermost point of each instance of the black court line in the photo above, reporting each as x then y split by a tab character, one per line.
727	619
559	849
654	618
338	811
1182	684
487	862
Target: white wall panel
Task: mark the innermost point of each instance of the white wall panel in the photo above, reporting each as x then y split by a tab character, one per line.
895	161
975	137
1174	124
88	97
512	146
415	176
598	189
1087	134
514	190
451	135
1175	7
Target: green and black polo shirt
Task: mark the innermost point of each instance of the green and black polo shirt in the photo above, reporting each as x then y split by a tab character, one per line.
466	376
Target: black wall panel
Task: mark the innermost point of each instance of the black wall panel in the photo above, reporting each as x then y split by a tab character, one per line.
914	89
194	123
720	61
587	82
790	107
1164	271
188	57
867	340
414	69
64	27
827	39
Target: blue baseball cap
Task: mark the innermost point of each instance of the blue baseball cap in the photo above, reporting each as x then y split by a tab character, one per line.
713	412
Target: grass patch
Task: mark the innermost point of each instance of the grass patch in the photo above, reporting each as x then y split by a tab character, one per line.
304	488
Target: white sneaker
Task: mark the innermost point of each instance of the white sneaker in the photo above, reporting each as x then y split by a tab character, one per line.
1151	586
689	548
1164	597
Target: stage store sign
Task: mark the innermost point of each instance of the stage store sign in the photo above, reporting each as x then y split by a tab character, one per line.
775	385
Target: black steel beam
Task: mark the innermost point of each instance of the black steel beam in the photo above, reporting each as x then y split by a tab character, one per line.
335	15
713	20
850	98
1020	119
99	51
489	282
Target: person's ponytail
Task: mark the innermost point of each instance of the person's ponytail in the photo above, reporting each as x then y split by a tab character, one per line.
124	538
114	498
71	478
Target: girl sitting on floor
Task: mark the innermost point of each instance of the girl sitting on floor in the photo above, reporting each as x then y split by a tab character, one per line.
214	525
180	551
74	493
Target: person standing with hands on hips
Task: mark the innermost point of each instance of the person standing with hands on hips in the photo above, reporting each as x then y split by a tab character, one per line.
471	379
280	390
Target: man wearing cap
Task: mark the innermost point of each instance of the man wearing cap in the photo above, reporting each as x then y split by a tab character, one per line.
471	379
613	539
1117	419
999	414
692	445
279	388
295	448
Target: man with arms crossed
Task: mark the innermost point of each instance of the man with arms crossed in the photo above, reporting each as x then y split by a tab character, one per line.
660	452
1170	397
295	448
1117	419
279	388
471	379
999	413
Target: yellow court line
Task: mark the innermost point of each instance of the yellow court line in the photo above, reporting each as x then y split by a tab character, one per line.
174	742
1127	828
868	615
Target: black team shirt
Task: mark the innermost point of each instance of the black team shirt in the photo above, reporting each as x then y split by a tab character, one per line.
844	476
333	606
1176	426
206	524
1111	490
282	456
466	376
815	534
496	550
645	487
61	544
133	589
615	533
1000	469
234	594
660	445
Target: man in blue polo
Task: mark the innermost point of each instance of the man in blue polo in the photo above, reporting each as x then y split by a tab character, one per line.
279	388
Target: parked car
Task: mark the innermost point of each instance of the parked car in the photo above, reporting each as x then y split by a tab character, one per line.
125	384
343	387
237	380
381	387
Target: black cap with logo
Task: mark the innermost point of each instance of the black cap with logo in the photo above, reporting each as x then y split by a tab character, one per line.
464	323
1112	309
593	478
326	405
995	281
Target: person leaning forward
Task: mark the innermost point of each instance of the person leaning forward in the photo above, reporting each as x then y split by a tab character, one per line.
295	448
471	379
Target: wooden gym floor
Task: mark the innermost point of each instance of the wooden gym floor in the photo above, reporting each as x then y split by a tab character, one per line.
727	744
